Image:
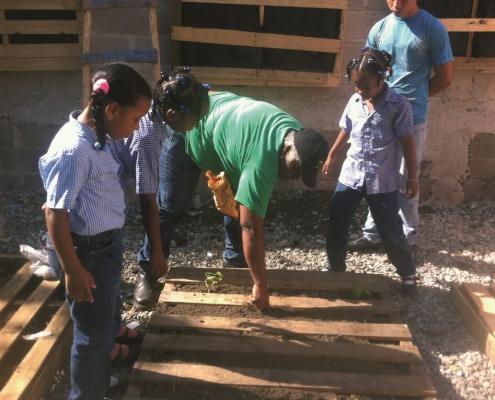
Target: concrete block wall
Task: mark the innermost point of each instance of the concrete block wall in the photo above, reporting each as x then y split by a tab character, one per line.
457	165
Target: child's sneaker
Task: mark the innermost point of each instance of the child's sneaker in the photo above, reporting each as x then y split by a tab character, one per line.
409	284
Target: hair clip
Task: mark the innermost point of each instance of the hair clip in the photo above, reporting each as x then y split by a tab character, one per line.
97	146
207	86
101	84
181	81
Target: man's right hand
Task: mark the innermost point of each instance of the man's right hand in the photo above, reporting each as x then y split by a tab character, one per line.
259	296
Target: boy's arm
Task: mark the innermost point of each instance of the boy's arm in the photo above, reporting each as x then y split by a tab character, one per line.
78	281
151	221
409	152
441	79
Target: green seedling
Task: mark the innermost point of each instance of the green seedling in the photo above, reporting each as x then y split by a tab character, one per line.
358	290
213	280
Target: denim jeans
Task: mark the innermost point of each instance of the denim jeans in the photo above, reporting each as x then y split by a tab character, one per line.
179	176
97	323
385	210
408	206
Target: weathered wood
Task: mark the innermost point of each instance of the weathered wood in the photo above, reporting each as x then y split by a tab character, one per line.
332	4
13	329
285	279
250	345
254	39
389	332
40	27
364	306
95	4
469	24
483	302
375	384
40	4
33	376
469	314
15	284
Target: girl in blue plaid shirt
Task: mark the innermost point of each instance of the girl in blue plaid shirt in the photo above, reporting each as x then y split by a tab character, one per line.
85	211
378	124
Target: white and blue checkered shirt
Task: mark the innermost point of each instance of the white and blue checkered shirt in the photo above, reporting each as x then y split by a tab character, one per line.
140	153
83	180
375	153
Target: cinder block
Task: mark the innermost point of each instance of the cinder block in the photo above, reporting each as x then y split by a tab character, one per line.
20	160
38	137
7	134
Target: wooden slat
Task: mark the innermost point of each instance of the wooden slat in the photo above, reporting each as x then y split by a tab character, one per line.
250	345
331	4
40	4
485	339
484	303
469	24
253	39
375	384
40	64
34	374
40	50
391	332
15	284
40	27
12	330
285	279
96	4
376	307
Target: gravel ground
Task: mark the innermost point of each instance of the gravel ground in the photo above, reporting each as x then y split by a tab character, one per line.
456	245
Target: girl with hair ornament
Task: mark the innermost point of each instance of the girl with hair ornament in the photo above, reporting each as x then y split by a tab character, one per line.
85	211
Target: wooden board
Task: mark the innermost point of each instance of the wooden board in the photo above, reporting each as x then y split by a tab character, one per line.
29	305
232	356
476	304
40	45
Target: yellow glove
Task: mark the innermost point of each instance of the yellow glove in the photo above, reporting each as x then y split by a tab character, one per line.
222	194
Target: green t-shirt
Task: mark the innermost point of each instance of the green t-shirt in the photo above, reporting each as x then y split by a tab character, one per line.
242	137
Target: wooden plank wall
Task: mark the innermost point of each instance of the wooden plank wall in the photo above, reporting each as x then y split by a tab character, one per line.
31	43
262	46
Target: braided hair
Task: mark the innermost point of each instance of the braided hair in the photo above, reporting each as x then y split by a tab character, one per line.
124	85
179	91
372	61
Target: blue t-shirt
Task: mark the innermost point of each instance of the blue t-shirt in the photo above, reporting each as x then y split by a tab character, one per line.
416	44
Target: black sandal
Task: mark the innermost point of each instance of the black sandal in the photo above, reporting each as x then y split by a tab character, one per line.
118	383
126	339
132	355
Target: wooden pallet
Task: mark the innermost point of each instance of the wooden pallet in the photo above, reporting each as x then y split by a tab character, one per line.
476	304
357	346
28	305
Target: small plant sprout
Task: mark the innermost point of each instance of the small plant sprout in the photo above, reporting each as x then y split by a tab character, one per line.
358	290
213	280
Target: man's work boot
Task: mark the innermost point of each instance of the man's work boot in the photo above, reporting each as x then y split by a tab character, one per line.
362	243
143	290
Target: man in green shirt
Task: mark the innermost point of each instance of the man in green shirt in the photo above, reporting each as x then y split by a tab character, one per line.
254	143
